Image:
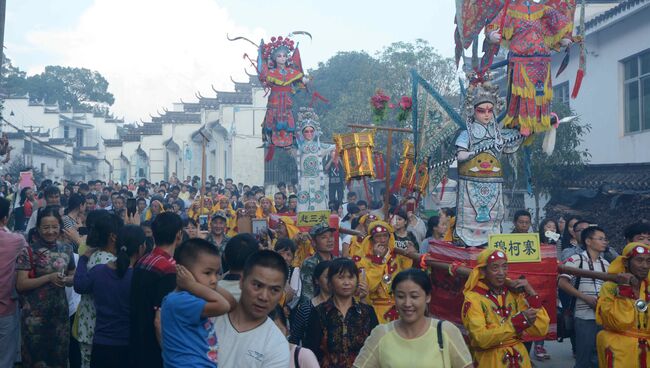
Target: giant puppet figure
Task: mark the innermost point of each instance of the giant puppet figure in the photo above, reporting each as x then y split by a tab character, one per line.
280	70
480	209
312	181
530	30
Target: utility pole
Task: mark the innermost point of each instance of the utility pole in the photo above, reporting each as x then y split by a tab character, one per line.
31	138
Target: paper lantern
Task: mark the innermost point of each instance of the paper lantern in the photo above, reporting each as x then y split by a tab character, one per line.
355	150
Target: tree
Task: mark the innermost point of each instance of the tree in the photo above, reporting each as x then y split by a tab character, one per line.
17	165
76	88
548	172
13	79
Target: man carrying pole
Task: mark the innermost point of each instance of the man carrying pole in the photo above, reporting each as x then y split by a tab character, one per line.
497	312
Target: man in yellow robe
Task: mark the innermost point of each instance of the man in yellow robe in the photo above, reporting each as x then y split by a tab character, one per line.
623	313
497	312
380	264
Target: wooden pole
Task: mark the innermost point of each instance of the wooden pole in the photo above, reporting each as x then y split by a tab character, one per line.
387	190
202	172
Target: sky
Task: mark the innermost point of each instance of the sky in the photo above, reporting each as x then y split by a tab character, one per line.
157	52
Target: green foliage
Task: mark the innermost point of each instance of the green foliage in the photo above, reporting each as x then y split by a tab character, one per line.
17	165
349	79
80	89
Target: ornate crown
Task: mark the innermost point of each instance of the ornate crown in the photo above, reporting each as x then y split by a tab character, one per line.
307	117
277	44
481	90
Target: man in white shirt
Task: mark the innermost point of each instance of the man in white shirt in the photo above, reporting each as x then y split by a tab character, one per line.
585	291
248	338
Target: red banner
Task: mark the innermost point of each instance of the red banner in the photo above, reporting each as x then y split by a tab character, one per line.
447	301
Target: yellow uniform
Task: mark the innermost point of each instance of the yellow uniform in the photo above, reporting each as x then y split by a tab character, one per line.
495	322
624	340
380	272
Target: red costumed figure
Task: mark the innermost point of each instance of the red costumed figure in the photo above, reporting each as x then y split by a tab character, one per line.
530	31
280	70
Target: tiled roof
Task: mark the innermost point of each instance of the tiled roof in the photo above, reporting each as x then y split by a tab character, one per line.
41	150
178	117
235	98
61	141
624	6
171	145
131	137
209	103
113	143
612	177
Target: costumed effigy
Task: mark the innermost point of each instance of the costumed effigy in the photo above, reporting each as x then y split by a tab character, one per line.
480	208
279	70
309	154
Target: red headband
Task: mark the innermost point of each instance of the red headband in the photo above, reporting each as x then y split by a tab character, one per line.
496	255
378	230
638	250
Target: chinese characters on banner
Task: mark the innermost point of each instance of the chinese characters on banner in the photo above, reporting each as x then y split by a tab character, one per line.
520	248
309	219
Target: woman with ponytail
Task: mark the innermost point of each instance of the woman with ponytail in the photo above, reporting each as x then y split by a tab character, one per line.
110	286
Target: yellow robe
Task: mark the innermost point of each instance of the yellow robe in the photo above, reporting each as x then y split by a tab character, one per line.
379	295
624	327
495	338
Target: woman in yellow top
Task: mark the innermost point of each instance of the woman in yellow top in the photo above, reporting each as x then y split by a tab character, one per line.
414	340
155	209
287	229
266	208
355	248
381	264
496	313
622	311
195	211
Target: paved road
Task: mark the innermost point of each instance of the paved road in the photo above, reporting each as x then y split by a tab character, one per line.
561	356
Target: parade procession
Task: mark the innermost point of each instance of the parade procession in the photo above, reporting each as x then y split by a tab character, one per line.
462	183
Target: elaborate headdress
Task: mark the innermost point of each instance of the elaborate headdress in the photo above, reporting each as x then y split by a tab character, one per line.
307	118
481	90
278	44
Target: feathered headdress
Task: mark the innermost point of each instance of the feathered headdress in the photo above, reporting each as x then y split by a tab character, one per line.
278	44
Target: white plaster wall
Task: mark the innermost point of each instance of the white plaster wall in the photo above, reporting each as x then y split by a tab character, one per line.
600	102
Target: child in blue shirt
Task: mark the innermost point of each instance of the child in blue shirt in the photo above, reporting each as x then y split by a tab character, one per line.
188	333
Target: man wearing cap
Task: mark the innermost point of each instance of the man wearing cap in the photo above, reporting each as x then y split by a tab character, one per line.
380	264
218	230
623	312
497	312
323	241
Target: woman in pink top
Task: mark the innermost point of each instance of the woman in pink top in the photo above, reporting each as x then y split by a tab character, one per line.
300	357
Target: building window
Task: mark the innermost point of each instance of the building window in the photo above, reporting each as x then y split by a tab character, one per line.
636	92
80	137
66	132
561	94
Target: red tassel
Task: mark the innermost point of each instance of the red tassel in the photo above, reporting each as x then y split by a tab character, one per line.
398	180
609	358
643	354
269	153
576	86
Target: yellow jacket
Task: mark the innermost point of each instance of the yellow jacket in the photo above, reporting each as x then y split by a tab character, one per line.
496	333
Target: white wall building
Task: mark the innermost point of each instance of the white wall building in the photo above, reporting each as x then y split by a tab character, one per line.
615	93
89	146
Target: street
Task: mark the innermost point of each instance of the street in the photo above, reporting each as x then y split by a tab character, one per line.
561	356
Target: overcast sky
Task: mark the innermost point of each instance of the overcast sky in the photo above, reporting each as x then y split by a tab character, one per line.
156	52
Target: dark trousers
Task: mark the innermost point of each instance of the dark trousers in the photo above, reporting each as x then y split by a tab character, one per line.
336	192
107	356
74	354
586	354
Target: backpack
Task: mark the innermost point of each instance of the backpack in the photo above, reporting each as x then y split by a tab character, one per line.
565	322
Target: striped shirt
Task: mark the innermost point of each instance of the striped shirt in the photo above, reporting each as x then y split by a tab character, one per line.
587	286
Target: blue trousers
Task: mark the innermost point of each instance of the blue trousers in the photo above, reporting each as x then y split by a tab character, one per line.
586	354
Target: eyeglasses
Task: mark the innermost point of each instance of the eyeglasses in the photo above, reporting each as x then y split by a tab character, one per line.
481	110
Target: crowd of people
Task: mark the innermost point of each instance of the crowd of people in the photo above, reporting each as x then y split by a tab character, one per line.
166	275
